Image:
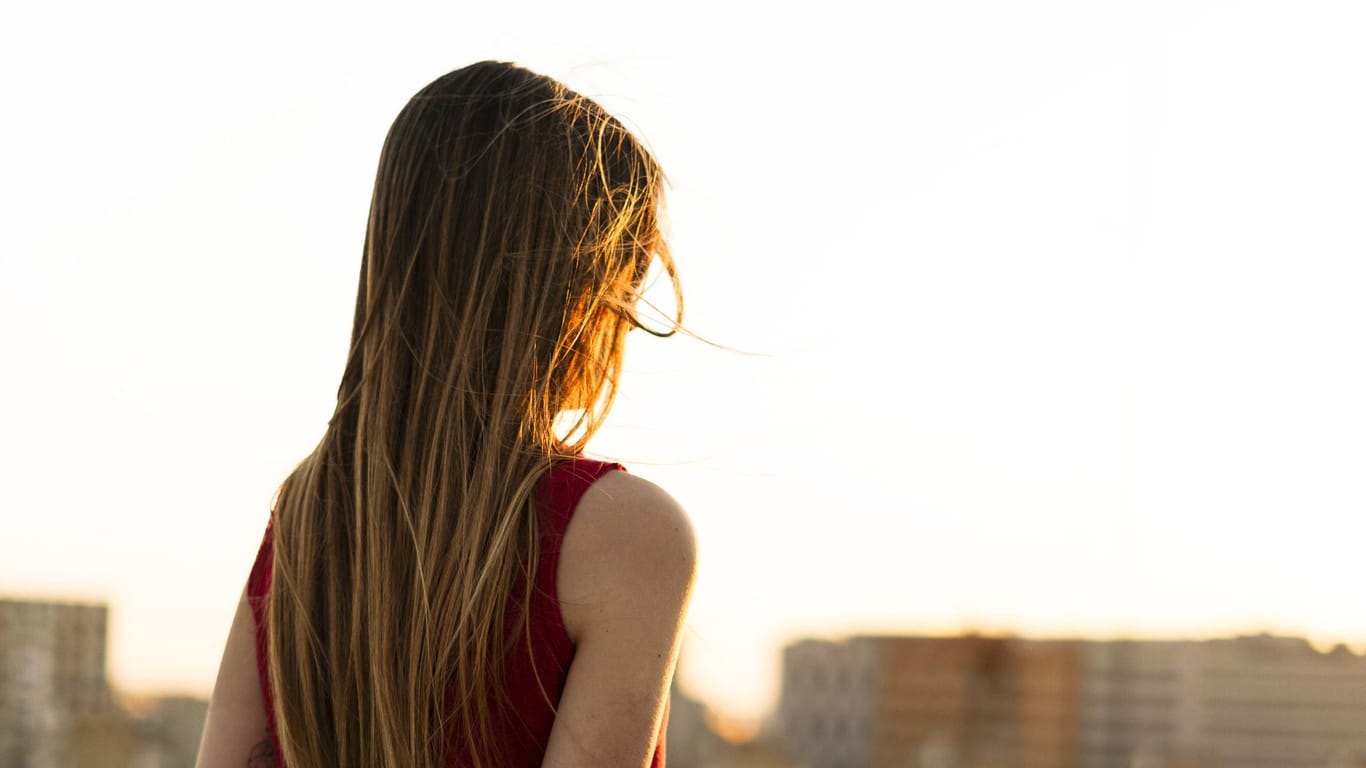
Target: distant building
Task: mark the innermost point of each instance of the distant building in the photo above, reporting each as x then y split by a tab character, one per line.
830	706
56	710
169	734
932	702
52	678
1246	701
690	741
969	702
110	740
693	742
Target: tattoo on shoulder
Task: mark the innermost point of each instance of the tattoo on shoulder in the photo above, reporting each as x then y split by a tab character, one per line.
262	755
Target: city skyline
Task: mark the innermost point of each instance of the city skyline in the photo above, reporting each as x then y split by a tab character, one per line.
963	702
880	701
746	725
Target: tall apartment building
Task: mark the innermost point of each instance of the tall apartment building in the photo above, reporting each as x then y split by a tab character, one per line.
52	678
972	702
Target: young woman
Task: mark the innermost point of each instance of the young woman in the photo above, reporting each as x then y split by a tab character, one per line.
445	580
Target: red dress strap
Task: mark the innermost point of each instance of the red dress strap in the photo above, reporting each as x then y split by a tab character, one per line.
559	492
258	588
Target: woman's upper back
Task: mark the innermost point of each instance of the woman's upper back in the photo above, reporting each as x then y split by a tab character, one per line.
605	617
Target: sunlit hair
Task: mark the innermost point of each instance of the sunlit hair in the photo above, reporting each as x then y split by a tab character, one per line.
512	224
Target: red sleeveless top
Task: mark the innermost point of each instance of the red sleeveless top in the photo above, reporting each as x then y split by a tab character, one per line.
525	730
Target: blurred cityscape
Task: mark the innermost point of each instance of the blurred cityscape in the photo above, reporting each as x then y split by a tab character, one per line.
863	702
56	707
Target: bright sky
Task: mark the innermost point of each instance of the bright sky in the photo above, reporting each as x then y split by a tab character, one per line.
1059	304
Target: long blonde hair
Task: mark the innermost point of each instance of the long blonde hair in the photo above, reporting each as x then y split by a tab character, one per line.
512	224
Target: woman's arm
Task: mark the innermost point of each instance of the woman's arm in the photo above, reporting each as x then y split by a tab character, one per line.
627	567
235	734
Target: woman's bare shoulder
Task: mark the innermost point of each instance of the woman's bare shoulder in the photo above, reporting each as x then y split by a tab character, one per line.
627	567
628	542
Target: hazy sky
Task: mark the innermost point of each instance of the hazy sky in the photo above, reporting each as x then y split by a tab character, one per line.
1056	306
